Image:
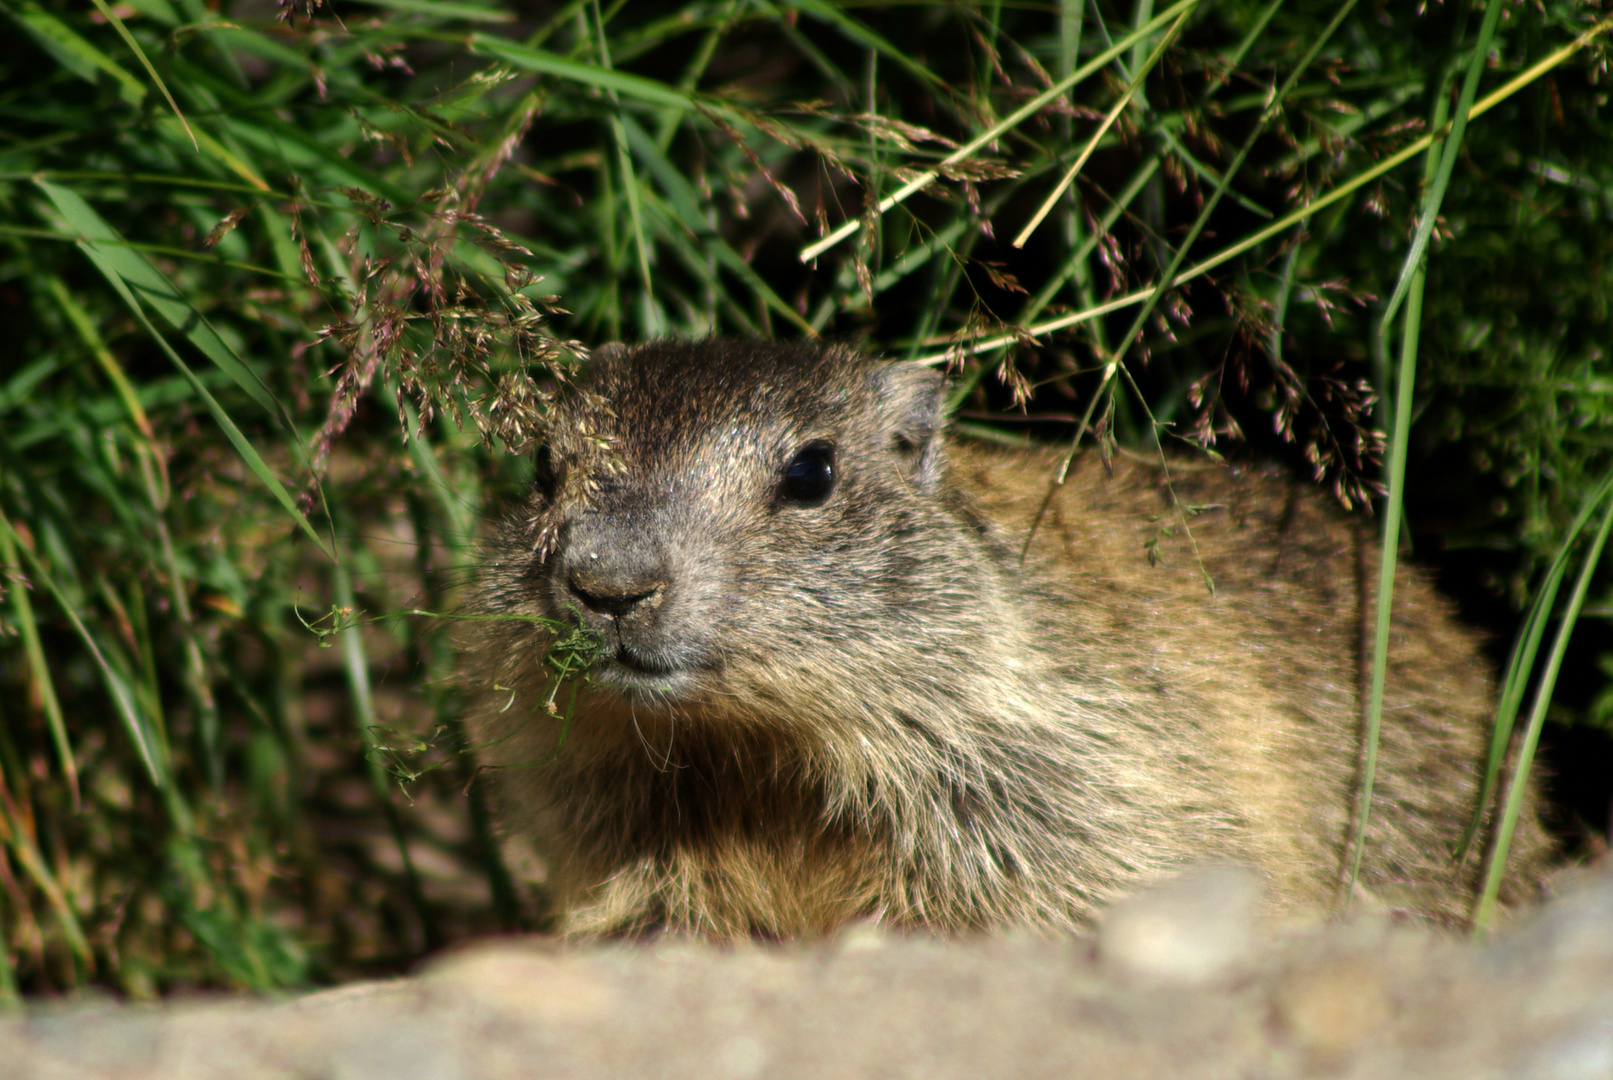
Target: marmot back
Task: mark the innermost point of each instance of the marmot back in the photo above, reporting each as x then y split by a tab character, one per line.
831	689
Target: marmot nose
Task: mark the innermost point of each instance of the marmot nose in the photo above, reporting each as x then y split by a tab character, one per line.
614	589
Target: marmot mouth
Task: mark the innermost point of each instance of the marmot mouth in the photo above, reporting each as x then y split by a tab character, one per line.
628	672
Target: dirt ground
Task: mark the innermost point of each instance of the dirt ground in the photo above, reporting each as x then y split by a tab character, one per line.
1185	981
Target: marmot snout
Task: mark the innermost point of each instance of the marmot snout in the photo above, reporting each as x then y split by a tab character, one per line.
830	688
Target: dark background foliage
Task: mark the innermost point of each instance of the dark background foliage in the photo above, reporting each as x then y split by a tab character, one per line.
243	248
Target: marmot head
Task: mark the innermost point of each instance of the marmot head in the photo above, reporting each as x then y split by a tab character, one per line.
729	514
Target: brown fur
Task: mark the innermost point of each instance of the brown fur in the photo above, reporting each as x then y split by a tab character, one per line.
872	708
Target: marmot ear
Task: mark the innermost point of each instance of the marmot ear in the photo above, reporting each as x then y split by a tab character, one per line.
608	353
912	397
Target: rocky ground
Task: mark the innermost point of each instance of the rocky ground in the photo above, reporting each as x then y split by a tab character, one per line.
1186	981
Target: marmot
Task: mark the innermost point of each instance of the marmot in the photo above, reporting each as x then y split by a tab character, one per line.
834	686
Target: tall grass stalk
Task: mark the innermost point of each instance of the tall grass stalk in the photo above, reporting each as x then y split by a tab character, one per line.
1409	288
1513	688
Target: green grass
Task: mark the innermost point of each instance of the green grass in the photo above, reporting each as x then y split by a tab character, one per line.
244	250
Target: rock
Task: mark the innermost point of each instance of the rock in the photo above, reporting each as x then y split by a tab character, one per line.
1192	929
1184	980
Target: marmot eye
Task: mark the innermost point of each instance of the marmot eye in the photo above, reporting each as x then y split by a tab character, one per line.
810	475
543	474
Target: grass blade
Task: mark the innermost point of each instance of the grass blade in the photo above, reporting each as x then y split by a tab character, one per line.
140	54
1169	280
73	52
1283	224
216	150
23	614
547	63
1518	786
997	130
1435	195
1410	288
114	263
152	754
654	323
144	279
442	9
243	446
357	667
866	37
1521	662
684	201
1103	128
1389	544
16	834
